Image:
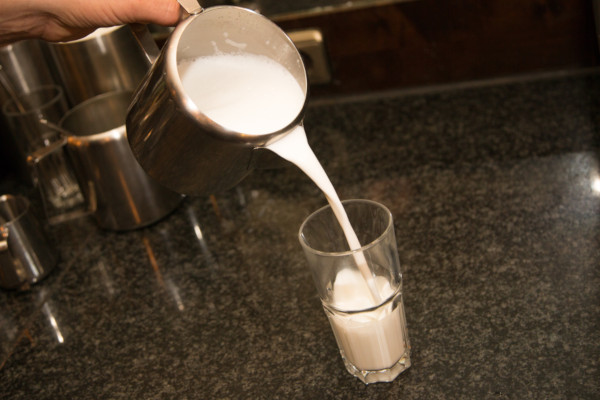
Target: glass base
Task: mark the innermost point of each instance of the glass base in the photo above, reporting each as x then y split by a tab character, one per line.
380	375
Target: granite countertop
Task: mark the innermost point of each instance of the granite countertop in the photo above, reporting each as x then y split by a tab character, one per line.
495	191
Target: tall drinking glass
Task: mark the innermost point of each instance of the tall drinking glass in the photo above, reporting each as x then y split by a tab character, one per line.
52	175
371	334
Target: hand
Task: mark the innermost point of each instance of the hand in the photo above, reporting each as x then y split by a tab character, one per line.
64	20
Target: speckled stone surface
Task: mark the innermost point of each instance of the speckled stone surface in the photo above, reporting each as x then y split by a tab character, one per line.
498	229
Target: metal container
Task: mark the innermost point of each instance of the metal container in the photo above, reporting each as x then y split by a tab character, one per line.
107	60
24	64
26	255
109	176
175	142
118	193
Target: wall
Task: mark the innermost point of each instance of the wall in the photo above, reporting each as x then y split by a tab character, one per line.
436	41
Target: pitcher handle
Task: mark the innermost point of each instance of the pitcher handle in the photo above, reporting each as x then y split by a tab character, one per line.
34	158
192	7
145	40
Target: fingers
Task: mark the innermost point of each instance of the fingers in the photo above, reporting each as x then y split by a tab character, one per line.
98	13
78	16
60	20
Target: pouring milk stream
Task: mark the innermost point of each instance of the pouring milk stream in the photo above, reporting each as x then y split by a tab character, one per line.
254	94
229	81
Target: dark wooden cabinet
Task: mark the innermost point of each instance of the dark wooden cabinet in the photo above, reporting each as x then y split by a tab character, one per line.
426	42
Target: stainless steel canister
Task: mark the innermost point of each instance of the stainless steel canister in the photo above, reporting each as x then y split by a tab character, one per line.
26	255
107	60
109	176
117	191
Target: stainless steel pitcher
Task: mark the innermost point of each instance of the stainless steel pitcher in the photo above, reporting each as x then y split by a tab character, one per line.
173	141
107	60
118	193
26	255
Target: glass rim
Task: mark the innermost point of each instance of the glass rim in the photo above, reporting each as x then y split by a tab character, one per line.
364	247
11	110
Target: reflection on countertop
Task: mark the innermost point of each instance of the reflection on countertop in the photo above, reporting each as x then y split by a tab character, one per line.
496	198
